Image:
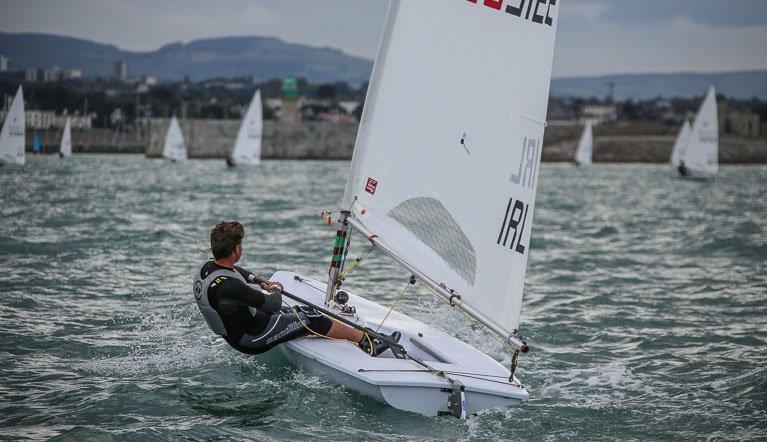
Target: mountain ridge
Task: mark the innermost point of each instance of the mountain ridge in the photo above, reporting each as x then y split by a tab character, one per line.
266	57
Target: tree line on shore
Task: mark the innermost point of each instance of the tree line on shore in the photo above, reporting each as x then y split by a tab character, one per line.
227	98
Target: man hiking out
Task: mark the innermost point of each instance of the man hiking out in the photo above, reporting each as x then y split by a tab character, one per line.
251	320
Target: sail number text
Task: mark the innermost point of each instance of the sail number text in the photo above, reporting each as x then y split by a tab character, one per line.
537	11
513	226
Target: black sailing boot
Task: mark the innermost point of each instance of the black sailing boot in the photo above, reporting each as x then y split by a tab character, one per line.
374	346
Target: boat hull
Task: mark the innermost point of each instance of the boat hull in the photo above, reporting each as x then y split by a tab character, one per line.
401	383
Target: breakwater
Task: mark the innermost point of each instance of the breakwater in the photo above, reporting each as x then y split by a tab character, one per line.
281	140
623	142
94	140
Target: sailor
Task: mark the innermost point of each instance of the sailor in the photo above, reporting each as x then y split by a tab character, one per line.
683	170
251	320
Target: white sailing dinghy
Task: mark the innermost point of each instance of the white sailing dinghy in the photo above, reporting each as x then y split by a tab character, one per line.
247	147
585	146
681	143
12	134
444	183
174	148
700	159
65	149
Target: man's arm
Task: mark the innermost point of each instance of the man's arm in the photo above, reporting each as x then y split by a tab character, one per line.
236	290
255	279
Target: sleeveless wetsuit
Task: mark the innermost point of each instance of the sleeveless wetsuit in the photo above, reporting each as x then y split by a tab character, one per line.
250	320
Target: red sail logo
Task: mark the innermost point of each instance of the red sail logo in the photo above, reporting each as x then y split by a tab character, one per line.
370	187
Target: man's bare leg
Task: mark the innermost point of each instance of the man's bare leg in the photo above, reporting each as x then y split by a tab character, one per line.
341	331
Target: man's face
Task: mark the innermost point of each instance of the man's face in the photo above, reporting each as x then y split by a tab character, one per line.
237	252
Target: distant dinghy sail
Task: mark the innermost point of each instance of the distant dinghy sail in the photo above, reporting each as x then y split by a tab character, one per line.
12	134
584	154
36	144
65	150
681	143
701	157
247	147
174	148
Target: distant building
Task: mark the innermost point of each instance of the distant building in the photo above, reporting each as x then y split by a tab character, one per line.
120	70
599	113
30	75
349	106
3	63
50	75
72	74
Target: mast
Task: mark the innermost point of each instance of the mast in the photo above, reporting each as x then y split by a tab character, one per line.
336	261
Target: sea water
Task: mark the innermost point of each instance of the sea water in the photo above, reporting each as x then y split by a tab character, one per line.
645	305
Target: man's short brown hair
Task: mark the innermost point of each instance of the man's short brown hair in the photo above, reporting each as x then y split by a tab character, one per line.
225	237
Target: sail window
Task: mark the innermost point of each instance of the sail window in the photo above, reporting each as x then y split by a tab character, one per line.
429	221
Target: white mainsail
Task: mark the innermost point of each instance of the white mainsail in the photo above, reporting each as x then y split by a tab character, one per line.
702	153
445	166
247	147
12	134
585	146
65	149
174	148
681	143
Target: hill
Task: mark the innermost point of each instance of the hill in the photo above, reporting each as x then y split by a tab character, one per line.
262	58
742	85
265	58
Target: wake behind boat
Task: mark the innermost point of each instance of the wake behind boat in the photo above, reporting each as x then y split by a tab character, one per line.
247	147
13	132
456	215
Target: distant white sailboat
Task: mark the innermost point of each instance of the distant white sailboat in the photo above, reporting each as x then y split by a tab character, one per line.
174	148
700	159
445	184
65	149
585	149
12	134
681	143
247	147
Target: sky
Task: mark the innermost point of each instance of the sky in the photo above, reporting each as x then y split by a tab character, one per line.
595	37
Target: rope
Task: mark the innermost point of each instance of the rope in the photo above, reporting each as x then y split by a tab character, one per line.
320	335
401	294
357	261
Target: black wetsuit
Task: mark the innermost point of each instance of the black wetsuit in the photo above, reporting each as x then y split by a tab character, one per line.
271	325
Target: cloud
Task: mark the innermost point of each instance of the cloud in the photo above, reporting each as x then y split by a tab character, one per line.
724	13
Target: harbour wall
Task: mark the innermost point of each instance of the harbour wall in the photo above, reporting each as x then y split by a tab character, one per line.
308	140
643	142
640	142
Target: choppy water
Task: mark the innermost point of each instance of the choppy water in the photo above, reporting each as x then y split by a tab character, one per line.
645	301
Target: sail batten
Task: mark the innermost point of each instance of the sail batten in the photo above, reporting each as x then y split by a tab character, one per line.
448	149
12	135
247	147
